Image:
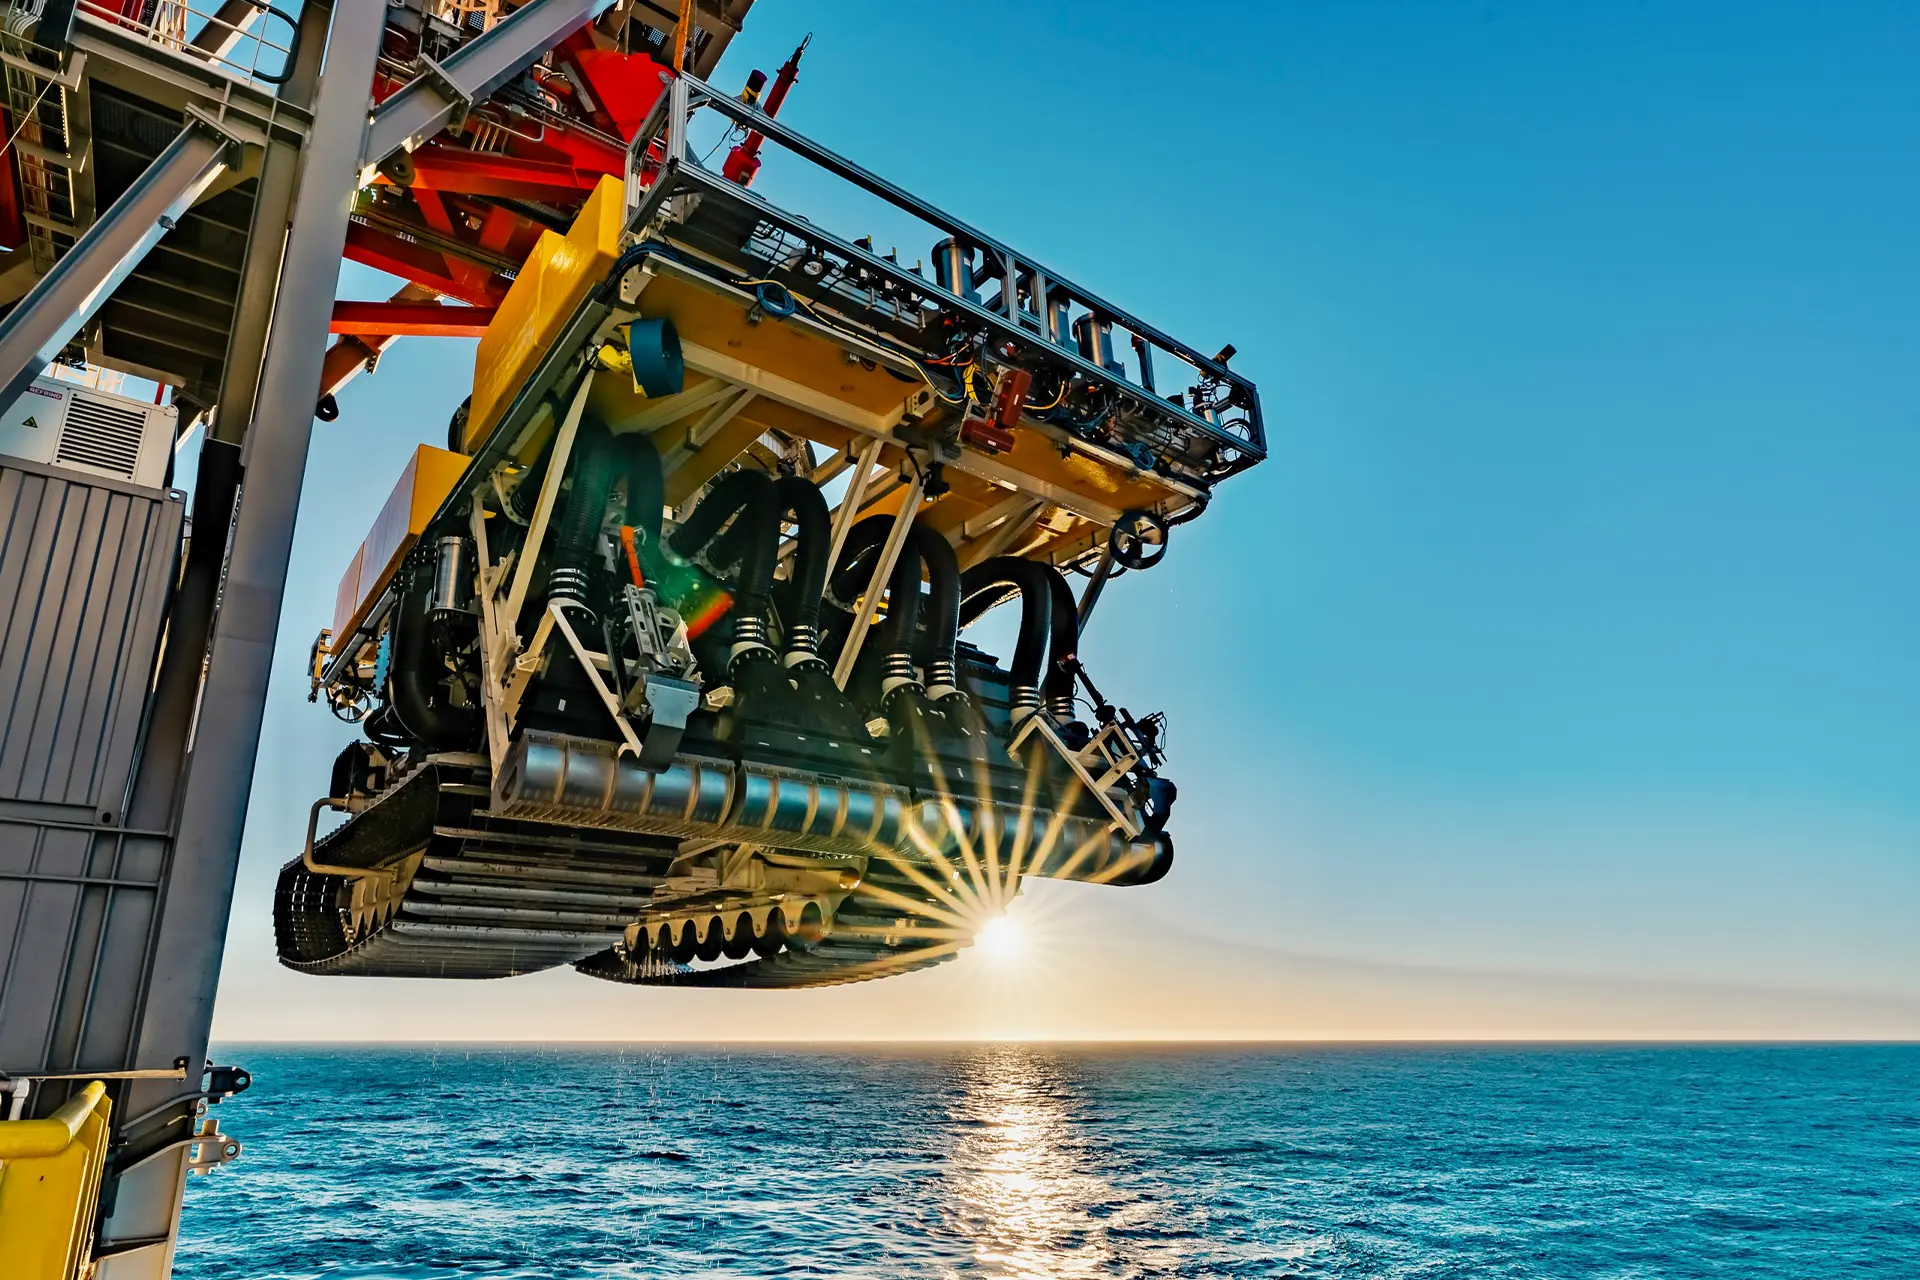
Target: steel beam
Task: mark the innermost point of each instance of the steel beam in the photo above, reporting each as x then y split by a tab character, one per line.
438	168
226	730
57	308
225	28
253	305
445	90
856	494
409	319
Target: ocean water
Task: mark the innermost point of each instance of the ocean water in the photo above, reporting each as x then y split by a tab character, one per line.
386	1163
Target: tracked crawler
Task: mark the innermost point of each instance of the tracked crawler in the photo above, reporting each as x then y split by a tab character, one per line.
662	668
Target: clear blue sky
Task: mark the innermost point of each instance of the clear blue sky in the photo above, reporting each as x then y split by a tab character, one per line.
1572	627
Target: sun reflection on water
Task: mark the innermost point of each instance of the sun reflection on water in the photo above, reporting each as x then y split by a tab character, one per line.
1023	1186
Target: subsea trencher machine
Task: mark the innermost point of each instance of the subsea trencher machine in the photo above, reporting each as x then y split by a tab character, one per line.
659	665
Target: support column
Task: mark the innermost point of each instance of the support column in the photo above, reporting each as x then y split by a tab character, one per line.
191	934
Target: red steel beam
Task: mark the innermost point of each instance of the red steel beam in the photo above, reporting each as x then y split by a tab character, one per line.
482	174
384	251
409	320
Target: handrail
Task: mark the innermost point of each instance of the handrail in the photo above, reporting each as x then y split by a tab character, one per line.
28	1139
1034	308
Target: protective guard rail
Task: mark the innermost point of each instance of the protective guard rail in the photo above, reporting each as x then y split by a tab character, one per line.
1027	311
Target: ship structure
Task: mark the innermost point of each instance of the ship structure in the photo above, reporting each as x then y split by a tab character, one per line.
662	654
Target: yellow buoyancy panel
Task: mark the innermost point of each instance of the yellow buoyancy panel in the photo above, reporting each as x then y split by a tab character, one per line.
429	477
550	287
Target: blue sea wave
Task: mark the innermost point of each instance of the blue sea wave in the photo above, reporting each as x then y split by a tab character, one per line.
1057	1163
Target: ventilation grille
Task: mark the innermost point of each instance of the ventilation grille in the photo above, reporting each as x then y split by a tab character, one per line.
106	436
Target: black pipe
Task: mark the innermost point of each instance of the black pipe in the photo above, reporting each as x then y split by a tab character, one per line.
1063	646
813	539
895	633
749	496
410	683
992	581
942	635
573	545
646	487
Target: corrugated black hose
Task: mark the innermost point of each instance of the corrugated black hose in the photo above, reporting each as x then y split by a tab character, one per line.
813	538
418	670
991	582
895	633
941	635
1063	647
593	470
750	496
646	487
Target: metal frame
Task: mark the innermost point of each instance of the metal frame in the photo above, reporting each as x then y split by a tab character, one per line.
663	137
444	91
66	298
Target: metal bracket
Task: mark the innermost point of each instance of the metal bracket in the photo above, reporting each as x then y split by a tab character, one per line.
492	695
211	1148
68	79
612	704
236	141
449	88
1077	761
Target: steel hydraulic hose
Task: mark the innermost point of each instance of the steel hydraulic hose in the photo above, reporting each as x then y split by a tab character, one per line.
992	581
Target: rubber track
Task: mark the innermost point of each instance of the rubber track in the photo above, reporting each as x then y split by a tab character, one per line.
497	899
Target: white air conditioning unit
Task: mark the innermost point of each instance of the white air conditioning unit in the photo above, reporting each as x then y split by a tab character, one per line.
97	433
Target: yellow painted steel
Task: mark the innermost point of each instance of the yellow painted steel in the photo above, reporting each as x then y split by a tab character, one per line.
719	322
700	431
49	1186
429	477
549	288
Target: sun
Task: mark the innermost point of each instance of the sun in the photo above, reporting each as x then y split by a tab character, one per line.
1001	939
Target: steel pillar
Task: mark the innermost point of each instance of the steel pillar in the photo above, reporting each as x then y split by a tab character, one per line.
223	727
445	90
274	455
39	328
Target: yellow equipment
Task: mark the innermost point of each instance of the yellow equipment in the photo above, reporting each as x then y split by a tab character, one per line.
49	1184
672	672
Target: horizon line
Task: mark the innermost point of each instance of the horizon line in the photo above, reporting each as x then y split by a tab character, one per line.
1142	1041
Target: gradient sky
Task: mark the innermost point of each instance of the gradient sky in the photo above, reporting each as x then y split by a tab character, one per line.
1570	630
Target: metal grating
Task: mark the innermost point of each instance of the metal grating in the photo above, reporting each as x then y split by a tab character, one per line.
107	436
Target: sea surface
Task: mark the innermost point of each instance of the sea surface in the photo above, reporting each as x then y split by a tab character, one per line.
409	1163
